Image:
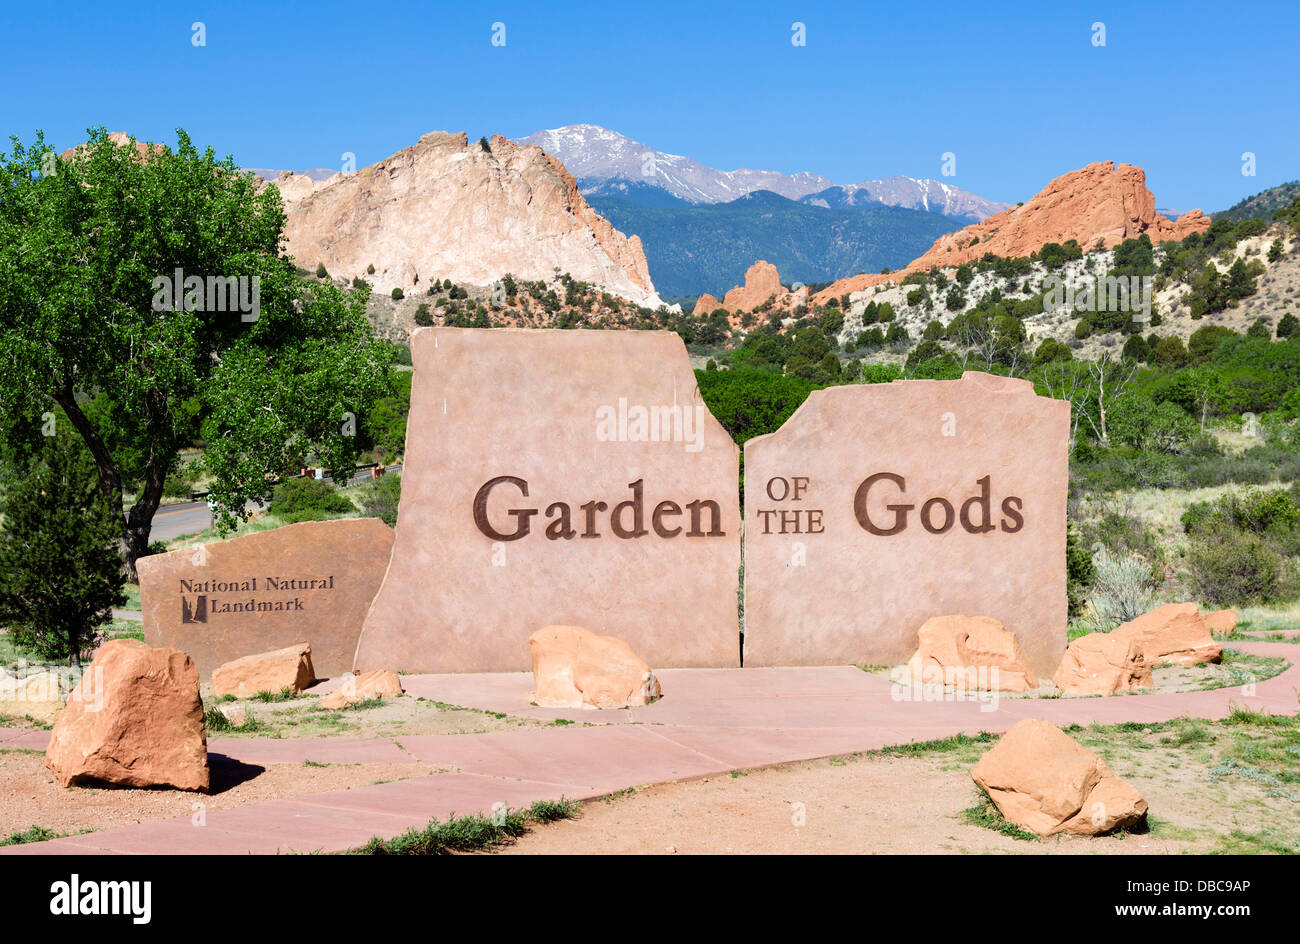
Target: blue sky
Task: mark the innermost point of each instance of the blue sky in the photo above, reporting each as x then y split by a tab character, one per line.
1017	91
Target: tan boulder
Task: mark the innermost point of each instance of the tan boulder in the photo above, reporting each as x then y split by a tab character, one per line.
1043	780
134	719
970	653
38	696
576	668
273	672
1175	633
381	683
1223	622
1103	664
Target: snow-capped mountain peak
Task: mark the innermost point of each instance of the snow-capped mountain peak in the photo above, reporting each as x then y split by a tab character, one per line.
606	162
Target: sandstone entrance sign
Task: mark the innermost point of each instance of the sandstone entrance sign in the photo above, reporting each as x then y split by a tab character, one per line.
558	478
309	582
878	506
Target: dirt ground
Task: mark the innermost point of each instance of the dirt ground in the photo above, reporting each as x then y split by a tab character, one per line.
30	796
407	715
1229	786
1211	788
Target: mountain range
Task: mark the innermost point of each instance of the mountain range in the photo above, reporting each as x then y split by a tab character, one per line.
1264	204
609	164
708	247
702	227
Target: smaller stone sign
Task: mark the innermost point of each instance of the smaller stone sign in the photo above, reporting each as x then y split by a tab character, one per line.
310	582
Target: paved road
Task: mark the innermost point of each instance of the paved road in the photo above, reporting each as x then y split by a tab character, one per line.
173	521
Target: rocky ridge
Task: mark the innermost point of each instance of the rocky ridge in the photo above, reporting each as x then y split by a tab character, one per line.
448	208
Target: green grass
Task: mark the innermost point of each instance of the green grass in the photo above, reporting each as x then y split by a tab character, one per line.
1260	842
214	720
284	694
1192	732
956	742
1076	629
11	652
28	719
445	706
34	834
986	814
475	833
1244	668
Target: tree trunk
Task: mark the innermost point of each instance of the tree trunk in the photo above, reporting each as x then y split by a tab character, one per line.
137	523
139	520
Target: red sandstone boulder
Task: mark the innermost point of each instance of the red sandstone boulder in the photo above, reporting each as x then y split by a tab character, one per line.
1103	664
274	671
1043	780
1174	633
969	653
134	719
575	668
380	683
1223	622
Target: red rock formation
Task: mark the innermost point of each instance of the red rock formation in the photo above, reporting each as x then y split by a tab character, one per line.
761	283
705	305
1099	202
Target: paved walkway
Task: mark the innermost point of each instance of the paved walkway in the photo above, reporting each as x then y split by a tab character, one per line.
710	721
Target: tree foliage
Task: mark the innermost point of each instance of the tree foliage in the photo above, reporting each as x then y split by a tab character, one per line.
60	573
98	315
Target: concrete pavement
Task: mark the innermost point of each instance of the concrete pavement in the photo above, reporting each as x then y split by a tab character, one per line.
710	721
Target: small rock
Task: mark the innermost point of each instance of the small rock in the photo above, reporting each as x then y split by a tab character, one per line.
381	683
1175	633
273	672
969	653
134	719
37	696
234	712
1043	780
576	668
1102	664
1223	622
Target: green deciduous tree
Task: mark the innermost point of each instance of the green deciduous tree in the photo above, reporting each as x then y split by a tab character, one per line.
120	267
